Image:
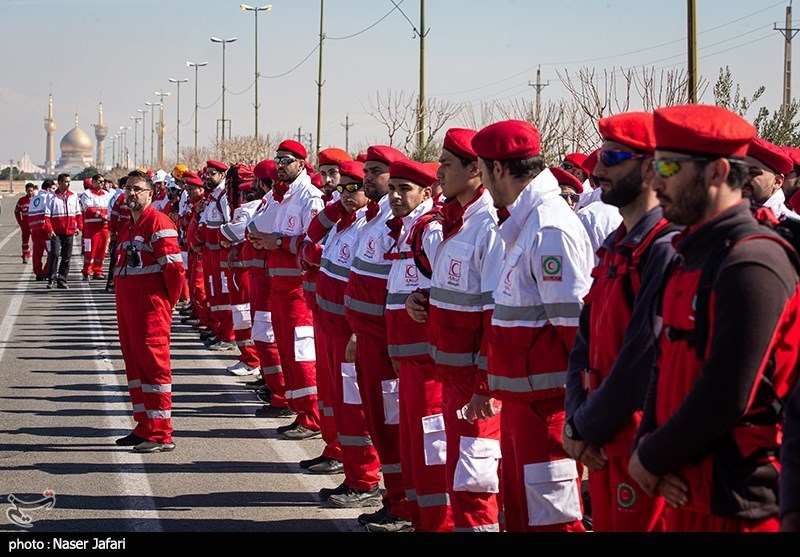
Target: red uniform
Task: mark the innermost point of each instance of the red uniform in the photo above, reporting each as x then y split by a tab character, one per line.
197	288
41	241
148	278
21	214
95	205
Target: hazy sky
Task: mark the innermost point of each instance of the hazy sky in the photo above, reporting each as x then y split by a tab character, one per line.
121	51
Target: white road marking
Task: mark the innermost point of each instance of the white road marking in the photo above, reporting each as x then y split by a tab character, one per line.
10	318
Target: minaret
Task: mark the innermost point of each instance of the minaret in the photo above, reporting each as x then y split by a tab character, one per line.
100	132
50	151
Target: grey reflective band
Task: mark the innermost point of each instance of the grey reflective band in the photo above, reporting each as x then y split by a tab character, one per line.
220	308
337	270
483	363
284	272
408	350
392	468
149	270
214	223
371	267
330	307
487	528
487	299
327	411
257	263
155	414
165	388
452	359
213	247
411	494
541	382
135	384
166	233
355	441
325	221
397	299
138	408
456	298
170	258
272	370
137	244
364	307
537	313
433	500
310	286
223	264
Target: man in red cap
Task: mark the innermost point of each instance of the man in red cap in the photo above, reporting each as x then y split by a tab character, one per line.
119	214
21	214
95	204
731	335
571	187
591	193
769	166
790	180
463	277
573	164
195	191
328	161
543	279
149	279
615	350
365	310
216	213
286	223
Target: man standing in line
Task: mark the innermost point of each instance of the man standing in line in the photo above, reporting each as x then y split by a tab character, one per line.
95	205
544	276
41	241
21	214
62	221
148	282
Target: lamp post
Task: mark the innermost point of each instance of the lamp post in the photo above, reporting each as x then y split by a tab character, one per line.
114	152
178	110
255	10
161	128
142	112
196	66
223	42
136	120
124	154
152	131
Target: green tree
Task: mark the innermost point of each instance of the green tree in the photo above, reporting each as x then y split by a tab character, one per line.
778	127
5	174
87	172
729	96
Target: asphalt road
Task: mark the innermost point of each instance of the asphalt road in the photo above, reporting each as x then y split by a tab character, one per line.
63	401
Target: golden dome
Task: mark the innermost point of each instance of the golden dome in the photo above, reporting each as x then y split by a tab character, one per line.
76	141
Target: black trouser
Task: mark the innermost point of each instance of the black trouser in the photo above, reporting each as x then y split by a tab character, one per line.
61	248
111	261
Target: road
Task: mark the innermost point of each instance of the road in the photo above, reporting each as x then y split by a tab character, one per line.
63	401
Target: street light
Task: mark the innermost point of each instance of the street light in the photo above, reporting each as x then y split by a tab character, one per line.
136	120
178	110
143	112
161	128
124	131
255	10
224	42
152	130
195	65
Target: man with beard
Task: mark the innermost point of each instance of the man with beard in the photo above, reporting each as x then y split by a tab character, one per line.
62	221
710	429
328	161
768	167
790	181
148	282
614	352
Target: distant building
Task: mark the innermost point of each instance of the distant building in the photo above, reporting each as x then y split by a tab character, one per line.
76	150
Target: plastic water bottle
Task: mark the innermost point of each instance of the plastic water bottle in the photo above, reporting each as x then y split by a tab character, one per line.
462	413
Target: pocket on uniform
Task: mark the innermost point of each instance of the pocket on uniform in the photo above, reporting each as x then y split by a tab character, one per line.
551	491
262	327
391	401
350	392
476	470
434	440
240	315
224	283
155	340
304	350
87	245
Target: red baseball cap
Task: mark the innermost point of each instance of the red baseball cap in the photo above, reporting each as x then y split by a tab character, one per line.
702	129
510	139
633	129
412	171
192	179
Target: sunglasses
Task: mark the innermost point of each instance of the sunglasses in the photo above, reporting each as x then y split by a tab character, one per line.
136	189
567	166
574	197
350	188
613	158
284	160
667	168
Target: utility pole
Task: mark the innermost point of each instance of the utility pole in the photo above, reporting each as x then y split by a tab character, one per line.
11	175
539	86
347	125
421	107
114	152
178	110
152	132
320	83
162	129
692	34
136	120
223	42
195	66
788	33
144	121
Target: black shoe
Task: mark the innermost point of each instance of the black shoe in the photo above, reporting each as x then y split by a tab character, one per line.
354	498
63	285
153	447
98	277
130	440
257	384
268	411
187	311
24	260
211	341
265	394
305	464
328	466
85	278
326	492
40	278
373	518
49	285
388	523
285	428
206	334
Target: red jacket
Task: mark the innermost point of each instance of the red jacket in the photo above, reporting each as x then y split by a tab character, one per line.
120	214
62	214
21	211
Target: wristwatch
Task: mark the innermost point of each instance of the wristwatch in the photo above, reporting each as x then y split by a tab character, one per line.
279	241
571	431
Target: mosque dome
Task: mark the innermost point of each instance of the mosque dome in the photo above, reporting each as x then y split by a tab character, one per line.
76	141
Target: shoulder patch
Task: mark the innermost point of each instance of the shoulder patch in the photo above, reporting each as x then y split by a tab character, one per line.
551	268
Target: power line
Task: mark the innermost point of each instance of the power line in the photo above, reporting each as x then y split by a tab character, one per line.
396	7
303	61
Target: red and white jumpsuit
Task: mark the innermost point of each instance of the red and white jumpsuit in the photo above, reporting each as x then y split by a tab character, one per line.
148	278
423	445
41	242
465	274
544	276
21	214
95	205
379	386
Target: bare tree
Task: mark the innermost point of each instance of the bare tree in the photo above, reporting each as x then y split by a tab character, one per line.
393	111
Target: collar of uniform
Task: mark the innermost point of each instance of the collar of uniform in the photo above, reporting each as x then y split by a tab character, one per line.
421	209
543	186
639	231
300	182
481	204
693	244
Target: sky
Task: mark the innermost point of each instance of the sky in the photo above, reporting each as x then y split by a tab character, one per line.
122	51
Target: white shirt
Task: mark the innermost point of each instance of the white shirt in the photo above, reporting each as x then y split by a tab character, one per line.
778	205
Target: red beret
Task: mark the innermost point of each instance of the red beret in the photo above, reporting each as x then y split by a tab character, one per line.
591	161
87	182
221	166
412	171
294	147
794	202
576	159
385	154
793	153
362	157
192	179
266	169
352	169
433	166
566	179
771	155
316	180
333	156
633	129
510	139
459	142
702	129
246	186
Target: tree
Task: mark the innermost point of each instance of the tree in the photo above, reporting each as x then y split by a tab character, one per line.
5	174
730	97
87	172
